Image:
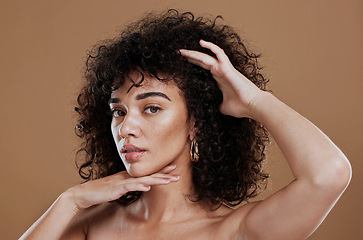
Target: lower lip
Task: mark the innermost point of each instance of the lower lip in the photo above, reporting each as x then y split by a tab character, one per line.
133	156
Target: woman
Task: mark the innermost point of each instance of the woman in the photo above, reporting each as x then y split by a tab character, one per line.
188	113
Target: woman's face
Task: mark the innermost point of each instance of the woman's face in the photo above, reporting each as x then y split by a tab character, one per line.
150	126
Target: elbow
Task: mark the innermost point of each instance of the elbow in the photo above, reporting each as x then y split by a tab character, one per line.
336	176
343	172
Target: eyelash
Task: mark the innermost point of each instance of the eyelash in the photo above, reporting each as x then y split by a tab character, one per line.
152	107
121	113
115	111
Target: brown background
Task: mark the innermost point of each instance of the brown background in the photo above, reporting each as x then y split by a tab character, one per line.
312	52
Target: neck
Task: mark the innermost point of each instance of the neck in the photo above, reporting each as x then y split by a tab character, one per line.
169	202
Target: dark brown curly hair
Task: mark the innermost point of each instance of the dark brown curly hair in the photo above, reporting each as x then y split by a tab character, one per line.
231	149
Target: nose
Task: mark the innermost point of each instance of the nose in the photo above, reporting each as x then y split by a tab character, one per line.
129	126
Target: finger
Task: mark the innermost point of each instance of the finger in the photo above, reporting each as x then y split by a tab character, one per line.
118	191
143	184
221	56
201	59
136	184
115	188
114	178
155	179
143	188
173	177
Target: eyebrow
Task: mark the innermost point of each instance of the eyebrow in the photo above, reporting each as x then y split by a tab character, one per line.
141	96
113	100
151	94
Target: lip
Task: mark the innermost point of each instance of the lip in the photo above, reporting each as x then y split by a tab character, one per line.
132	153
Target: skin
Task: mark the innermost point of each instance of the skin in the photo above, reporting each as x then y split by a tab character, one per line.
153	118
320	169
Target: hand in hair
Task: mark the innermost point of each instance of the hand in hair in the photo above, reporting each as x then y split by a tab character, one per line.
238	91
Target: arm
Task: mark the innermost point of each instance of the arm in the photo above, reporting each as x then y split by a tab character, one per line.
320	169
321	174
55	221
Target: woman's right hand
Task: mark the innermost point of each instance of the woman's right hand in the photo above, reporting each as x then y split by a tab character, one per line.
113	187
53	223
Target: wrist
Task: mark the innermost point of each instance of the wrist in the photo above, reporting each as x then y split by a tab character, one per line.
258	103
67	200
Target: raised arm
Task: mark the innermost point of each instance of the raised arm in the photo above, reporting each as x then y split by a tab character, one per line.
55	222
320	169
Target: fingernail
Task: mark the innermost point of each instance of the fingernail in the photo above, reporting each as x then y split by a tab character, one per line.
172	166
175	176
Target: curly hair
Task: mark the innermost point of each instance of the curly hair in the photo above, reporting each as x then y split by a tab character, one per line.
231	149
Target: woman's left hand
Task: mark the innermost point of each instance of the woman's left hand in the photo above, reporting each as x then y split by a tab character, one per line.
320	169
238	91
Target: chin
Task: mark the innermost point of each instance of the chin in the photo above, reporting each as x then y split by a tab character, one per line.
138	172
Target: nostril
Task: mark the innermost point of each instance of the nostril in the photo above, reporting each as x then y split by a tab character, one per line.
128	128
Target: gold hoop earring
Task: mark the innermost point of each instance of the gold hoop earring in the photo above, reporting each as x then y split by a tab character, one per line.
194	152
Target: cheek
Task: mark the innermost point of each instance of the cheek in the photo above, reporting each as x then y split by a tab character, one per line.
116	136
114	130
170	132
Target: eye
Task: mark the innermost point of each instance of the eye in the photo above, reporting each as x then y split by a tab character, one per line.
117	113
152	109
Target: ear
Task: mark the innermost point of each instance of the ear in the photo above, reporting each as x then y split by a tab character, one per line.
193	129
192	133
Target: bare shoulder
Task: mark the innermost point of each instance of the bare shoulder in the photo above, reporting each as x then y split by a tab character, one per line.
79	227
224	223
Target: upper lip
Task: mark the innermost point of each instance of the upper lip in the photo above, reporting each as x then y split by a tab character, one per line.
130	147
